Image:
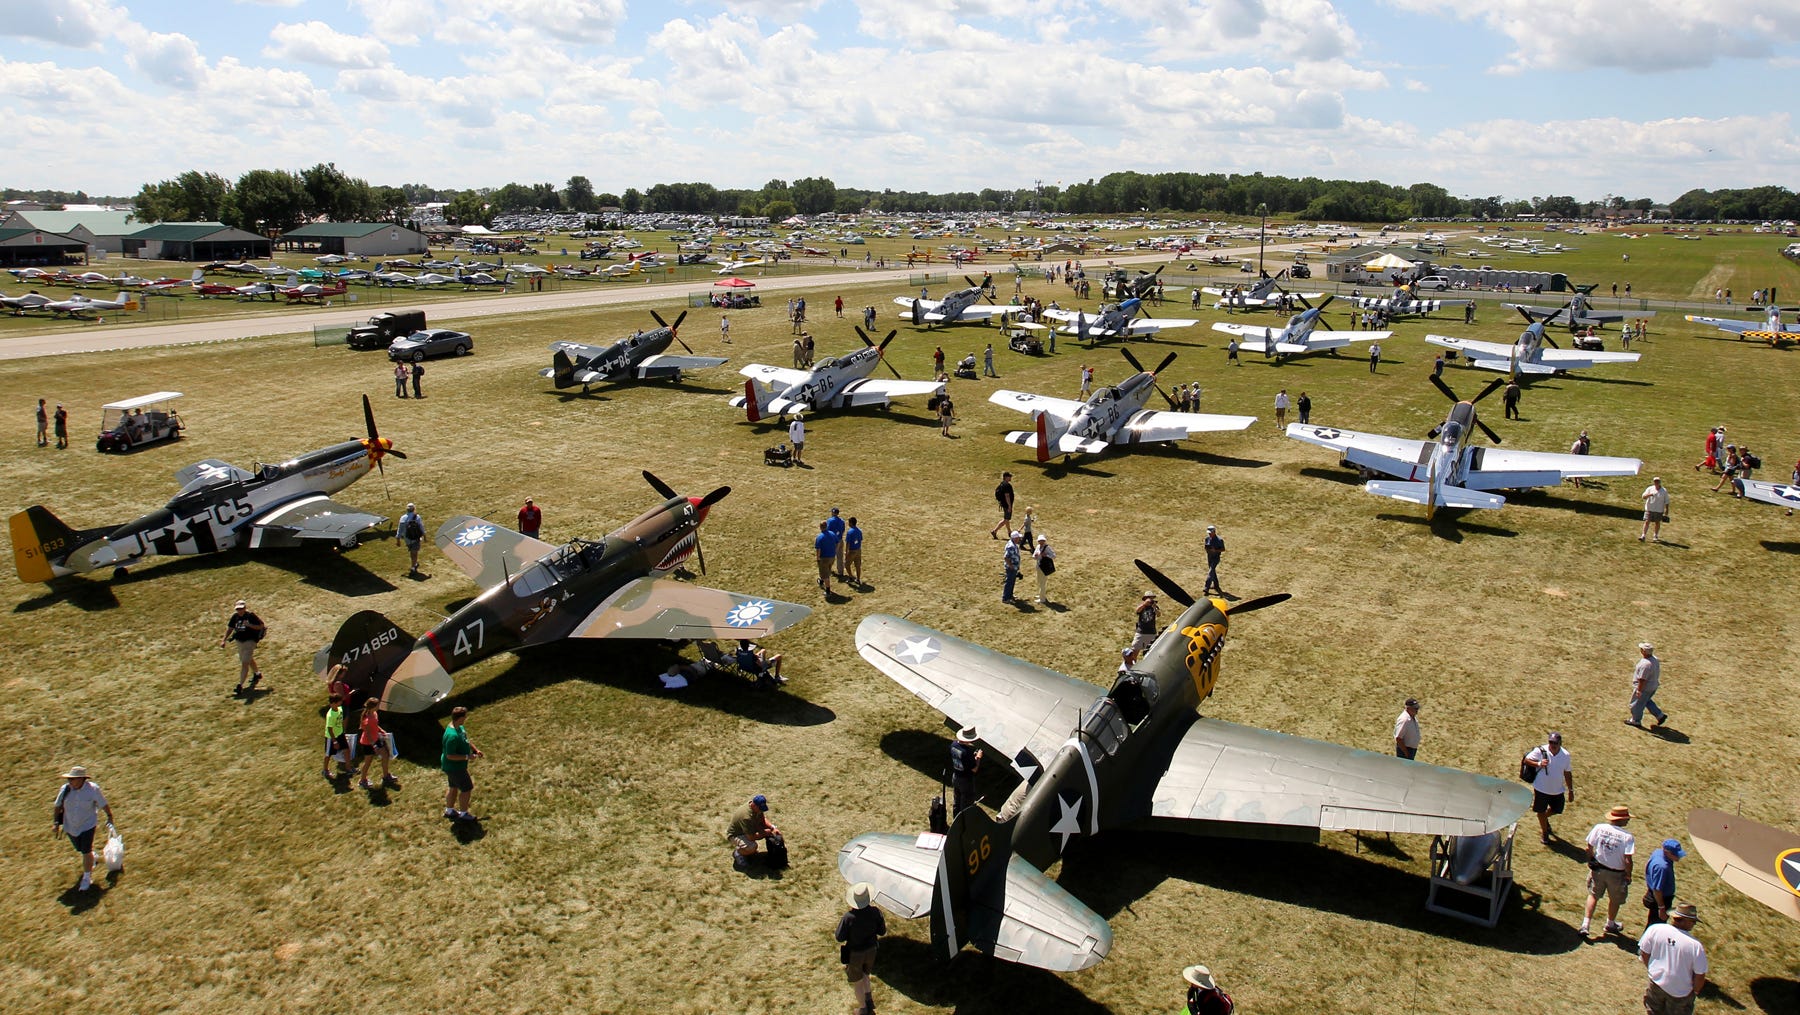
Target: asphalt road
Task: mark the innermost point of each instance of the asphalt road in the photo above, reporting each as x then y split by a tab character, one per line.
103	338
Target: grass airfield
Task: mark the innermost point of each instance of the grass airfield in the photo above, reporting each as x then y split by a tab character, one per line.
600	878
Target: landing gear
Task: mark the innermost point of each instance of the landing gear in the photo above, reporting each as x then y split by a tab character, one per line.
120	574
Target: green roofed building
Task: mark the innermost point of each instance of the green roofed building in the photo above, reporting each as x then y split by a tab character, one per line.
22	247
366	239
100	230
196	241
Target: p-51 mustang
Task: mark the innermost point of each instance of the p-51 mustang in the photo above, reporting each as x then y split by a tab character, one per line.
1445	470
1771	330
636	357
1118	320
961	305
1300	336
220	506
1113	417
538	593
1265	293
1136	756
1534	353
1578	313
1406	303
836	383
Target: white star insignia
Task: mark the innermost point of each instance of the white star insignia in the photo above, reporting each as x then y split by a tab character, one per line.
917	650
1069	823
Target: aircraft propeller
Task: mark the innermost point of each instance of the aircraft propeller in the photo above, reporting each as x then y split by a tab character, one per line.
1493	385
1180	595
881	350
377	446
674	329
659	486
1160	367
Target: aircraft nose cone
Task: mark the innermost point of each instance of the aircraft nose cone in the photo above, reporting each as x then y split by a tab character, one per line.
417	684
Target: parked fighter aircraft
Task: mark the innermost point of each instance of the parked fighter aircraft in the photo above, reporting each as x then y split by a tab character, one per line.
481	279
1300	336
1263	294
219	506
1756	859
956	307
77	305
837	382
1771	329
1528	355
1136	756
1139	286
1114	416
538	593
1452	473
1115	321
1578	313
1406	302
635	357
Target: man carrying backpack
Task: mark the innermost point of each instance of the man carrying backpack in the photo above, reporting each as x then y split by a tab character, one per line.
411	531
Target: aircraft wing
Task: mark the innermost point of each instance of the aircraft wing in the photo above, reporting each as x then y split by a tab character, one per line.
1259	331
1760	861
1060	314
1025	401
1500	469
669	366
1576	359
213	471
1472	348
1152	325
783	376
1732	325
1779	494
486	551
311	517
668	609
1223	772
873	390
1395	456
1016	707
1150	426
984	311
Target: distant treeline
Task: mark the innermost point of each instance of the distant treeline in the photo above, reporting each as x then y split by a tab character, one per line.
273	200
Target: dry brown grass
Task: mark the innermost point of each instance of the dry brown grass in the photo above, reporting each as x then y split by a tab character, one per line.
601	879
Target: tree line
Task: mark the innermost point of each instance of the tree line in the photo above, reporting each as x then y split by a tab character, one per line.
271	201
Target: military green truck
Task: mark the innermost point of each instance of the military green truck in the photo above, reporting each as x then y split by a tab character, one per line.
384	327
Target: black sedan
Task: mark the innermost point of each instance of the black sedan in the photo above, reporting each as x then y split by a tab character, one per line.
431	342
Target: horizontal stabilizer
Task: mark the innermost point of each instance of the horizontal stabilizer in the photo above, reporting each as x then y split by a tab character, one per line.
1447	496
45	548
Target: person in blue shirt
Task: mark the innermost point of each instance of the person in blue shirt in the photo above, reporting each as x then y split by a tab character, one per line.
852	564
835	526
1659	882
1012	567
826	546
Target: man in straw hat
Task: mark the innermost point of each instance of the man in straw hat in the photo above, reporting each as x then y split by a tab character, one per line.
965	761
1676	962
1609	856
1204	996
859	931
77	813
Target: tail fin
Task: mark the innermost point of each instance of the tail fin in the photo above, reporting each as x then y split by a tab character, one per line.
752	411
370	646
563	369
42	544
918	313
971	882
1043	437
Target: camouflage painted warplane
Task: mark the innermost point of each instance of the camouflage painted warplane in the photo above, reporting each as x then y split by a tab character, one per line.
1136	756
1114	417
1756	859
1529	354
956	307
220	506
539	593
636	357
836	382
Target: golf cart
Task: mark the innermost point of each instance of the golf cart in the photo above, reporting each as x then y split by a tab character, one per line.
138	421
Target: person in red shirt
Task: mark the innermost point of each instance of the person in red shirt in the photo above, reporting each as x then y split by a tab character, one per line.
372	742
531	518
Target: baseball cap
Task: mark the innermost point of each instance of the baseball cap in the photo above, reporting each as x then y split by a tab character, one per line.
1412	703
1555	737
240	605
1674	846
760	801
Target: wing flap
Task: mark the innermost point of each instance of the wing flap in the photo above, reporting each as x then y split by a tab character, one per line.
309	518
664	608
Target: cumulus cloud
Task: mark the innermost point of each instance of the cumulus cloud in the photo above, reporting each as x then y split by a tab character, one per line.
1294	30
317	42
79	24
170	60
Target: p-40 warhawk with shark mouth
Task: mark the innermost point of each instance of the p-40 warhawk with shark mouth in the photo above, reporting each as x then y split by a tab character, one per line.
616	587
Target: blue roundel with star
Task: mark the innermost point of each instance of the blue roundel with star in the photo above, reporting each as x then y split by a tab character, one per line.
474	535
750	614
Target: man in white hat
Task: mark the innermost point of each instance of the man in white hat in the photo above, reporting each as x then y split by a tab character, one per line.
247	629
1147	623
965	762
1204	996
860	931
797	437
1215	548
77	814
1645	679
1675	961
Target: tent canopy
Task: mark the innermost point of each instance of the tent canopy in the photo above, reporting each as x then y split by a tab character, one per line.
1386	261
735	283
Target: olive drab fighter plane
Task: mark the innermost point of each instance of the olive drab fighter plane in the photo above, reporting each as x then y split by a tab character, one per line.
1756	859
1446	469
956	307
1114	417
1117	320
536	592
1535	352
1301	335
836	382
1771	329
635	357
1137	756
219	506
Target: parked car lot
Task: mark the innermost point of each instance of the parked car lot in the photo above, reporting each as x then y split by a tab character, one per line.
431	342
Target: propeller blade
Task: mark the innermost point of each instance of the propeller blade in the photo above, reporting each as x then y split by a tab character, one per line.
1172	406
1493	386
1431	435
1133	360
860	334
1438	383
396	452
1164	365
890	337
369	419
658	319
1551	342
1258	603
659	486
1164	582
1488	430
714	497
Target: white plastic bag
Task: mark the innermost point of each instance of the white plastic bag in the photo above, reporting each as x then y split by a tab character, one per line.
114	853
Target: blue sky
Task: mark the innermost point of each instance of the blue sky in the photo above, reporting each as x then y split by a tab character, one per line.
1640	98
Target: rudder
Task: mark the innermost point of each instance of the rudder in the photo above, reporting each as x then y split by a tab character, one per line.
971	874
370	646
562	370
41	542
